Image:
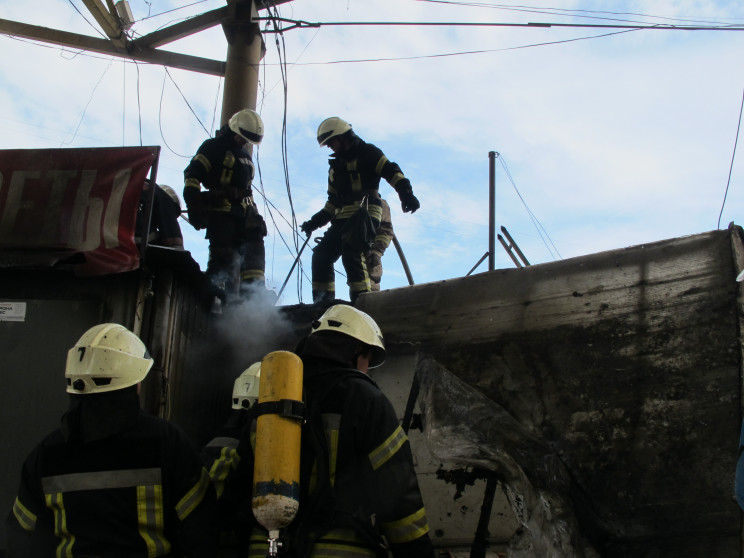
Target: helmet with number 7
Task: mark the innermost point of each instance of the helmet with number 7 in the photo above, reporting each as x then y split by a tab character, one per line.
245	388
354	323
331	128
107	357
248	125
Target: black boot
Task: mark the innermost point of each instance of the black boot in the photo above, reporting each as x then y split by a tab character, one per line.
323	297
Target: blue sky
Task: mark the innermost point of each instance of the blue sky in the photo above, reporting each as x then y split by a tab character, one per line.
611	141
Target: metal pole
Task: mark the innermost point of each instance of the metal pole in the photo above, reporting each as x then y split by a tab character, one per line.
291	269
492	210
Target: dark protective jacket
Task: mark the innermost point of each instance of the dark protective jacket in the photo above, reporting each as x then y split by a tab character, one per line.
369	469
355	175
229	459
115	482
225	170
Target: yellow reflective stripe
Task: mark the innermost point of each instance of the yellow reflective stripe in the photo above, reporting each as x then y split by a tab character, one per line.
150	519
331	426
222	466
252	274
203	161
380	455
101	480
55	502
322	549
380	164
193	497
321	286
259	544
407	529
384	239
375	211
25	517
347	211
360	286
192	183
397	177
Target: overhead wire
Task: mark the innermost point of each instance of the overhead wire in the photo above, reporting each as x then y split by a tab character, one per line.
572	12
731	167
463	53
535	221
85	110
282	56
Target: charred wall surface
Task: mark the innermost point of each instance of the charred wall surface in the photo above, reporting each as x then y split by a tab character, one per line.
626	364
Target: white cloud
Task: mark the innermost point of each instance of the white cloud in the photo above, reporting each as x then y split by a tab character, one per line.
611	141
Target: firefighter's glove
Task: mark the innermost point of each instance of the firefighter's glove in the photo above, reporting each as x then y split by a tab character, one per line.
409	202
308	227
198	216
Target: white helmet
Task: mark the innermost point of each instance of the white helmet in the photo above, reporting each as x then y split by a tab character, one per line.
346	319
248	125
330	128
245	389
106	358
171	193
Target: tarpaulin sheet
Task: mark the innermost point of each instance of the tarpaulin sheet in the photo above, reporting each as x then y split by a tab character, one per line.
77	205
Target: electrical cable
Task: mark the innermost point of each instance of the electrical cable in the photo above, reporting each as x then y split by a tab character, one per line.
733	157
568	12
82	116
535	221
160	119
463	53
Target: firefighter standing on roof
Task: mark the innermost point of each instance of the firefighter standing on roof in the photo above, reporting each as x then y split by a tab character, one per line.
227	210
112	480
353	207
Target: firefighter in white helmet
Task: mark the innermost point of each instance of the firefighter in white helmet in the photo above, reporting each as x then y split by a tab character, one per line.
226	209
112	480
353	208
166	208
227	457
354	450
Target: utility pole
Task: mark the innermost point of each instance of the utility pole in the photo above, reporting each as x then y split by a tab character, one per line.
245	49
492	210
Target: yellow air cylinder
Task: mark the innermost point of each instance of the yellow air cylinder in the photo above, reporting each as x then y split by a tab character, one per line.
276	477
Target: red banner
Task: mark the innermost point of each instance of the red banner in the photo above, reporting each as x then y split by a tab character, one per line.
76	205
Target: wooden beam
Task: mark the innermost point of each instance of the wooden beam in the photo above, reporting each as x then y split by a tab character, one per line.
182	29
108	23
104	46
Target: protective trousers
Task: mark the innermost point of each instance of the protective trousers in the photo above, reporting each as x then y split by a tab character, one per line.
234	260
326	253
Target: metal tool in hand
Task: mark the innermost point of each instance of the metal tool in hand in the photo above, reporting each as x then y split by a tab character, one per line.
297	259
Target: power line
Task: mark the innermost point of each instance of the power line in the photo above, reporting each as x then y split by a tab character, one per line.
568	12
733	156
462	53
535	221
301	24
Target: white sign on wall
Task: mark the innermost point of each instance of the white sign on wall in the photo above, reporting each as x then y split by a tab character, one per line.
12	311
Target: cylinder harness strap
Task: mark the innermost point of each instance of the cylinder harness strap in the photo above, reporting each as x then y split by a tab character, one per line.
287	408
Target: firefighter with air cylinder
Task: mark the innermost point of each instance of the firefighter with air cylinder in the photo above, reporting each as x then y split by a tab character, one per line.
356	462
